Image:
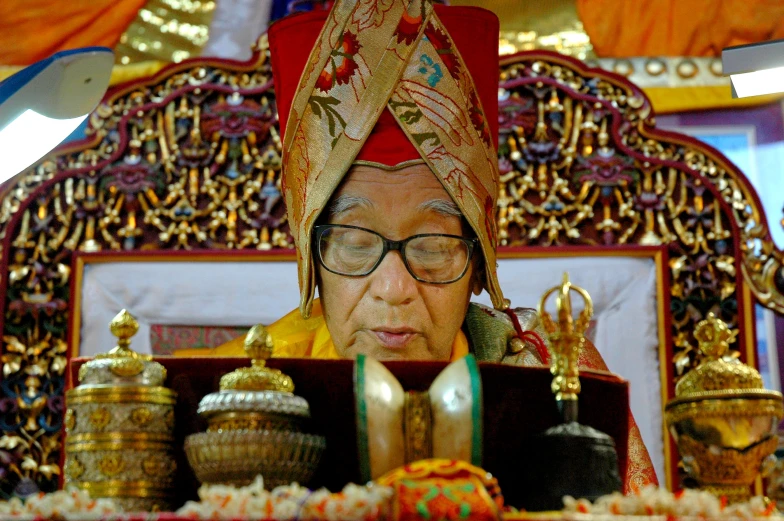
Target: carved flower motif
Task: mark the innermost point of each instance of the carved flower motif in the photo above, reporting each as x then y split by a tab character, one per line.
100	418
605	168
141	416
111	465
156	465
73	468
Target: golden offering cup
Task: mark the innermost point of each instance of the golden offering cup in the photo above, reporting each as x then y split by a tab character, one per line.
723	419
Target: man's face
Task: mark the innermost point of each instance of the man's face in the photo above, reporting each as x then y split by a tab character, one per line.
388	314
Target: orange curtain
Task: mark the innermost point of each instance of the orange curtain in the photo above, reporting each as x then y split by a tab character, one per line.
622	28
31	30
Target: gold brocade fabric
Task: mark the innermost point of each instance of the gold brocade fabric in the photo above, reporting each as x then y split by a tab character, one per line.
297	337
442	116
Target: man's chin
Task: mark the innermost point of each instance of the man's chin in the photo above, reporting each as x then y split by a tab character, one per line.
384	353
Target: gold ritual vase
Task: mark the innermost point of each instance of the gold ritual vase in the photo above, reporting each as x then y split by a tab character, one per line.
723	419
256	426
120	427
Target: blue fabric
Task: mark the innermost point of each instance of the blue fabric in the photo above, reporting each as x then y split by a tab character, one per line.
280	8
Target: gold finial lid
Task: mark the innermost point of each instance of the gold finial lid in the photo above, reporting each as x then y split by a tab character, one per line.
122	365
717	373
258	377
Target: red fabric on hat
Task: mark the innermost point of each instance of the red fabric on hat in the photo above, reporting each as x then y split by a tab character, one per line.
473	30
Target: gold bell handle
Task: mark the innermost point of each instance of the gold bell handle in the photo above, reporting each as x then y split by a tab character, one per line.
567	337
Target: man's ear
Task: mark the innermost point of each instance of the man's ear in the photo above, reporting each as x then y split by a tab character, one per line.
478	278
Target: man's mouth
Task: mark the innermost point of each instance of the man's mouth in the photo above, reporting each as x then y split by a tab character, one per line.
395	338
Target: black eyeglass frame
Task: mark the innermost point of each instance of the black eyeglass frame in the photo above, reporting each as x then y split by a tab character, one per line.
390	245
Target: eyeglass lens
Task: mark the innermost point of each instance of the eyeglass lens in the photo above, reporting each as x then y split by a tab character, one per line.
356	252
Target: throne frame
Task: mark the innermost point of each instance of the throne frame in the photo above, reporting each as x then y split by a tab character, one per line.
189	159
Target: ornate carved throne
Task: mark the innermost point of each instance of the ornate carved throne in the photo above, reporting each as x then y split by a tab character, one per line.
189	160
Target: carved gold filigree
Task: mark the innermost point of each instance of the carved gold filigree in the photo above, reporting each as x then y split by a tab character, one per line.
726	472
581	164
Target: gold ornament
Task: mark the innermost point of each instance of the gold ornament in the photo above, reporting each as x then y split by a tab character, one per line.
158	466
70	420
141	416
73	468
516	346
722	418
123	451
100	418
567	338
125	362
111	465
258	377
254	426
168	419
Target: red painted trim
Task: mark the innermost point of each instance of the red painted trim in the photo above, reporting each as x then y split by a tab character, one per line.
180	255
279	255
586	250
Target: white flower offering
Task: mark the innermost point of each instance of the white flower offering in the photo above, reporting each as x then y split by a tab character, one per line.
220	502
655	501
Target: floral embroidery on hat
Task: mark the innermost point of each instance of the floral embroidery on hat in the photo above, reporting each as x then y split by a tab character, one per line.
478	118
408	29
431	70
342	63
443	45
371	13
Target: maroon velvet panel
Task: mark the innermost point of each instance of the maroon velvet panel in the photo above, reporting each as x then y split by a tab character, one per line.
517	404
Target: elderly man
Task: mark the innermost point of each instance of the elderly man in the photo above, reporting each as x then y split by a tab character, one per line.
391	179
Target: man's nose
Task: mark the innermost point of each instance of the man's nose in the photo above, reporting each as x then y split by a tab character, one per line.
392	282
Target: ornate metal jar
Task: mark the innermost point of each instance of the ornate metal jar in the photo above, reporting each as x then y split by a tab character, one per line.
255	426
120	427
723	419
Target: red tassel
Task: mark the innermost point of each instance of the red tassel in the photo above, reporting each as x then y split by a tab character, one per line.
529	336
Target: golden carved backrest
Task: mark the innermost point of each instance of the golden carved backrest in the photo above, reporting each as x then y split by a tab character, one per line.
190	159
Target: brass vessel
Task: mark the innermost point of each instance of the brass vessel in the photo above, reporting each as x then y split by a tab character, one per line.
256	425
723	419
120	427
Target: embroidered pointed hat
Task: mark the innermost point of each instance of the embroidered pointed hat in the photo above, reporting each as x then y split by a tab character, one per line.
388	83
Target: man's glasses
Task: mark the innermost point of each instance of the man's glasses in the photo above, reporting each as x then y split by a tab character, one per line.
356	252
